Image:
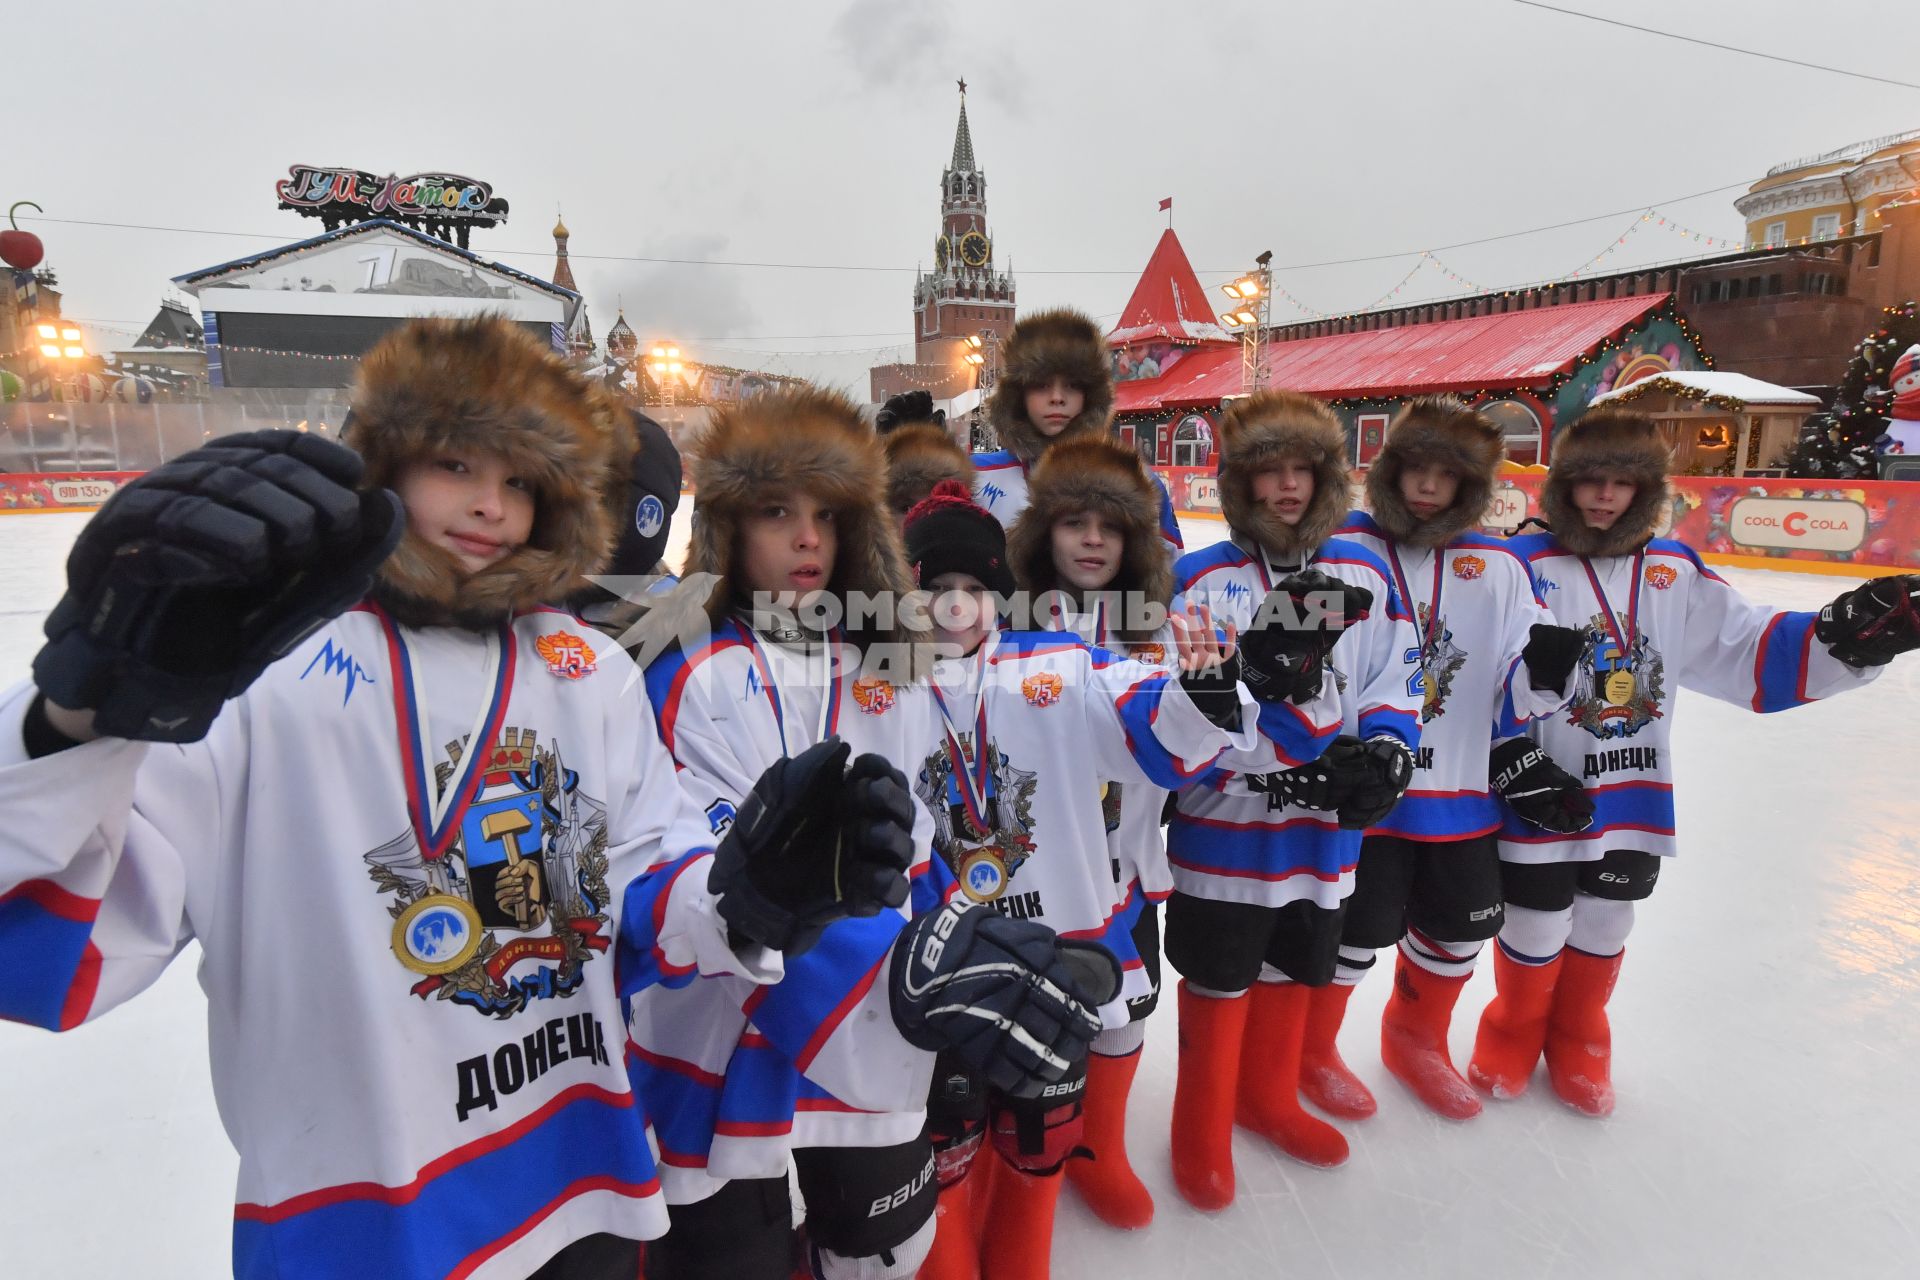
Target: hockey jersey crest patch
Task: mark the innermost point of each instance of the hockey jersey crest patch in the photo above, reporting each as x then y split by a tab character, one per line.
873	695
566	655
516	906
1468	567
1042	688
1662	576
1615	694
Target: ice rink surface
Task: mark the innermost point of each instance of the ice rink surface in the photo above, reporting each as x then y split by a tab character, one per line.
1767	1059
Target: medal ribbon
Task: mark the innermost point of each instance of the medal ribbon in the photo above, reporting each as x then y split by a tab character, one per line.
1429	634
437	814
829	694
972	781
1632	633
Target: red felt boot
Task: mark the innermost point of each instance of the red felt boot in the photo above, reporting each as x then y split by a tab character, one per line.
956	1245
1579	1039
1413	1039
1018	1245
1210	1035
1107	1182
1513	1029
1269	1095
1324	1078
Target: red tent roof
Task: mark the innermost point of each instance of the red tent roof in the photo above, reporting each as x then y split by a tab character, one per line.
1168	301
1516	349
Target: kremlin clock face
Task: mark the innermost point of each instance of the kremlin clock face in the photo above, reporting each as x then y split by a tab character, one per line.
974	248
941	249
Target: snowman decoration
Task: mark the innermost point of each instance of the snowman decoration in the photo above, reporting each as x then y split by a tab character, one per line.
1903	429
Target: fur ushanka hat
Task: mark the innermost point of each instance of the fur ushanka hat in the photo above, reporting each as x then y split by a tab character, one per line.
1064	343
1444	430
1620	441
488	385
1259	431
1094	475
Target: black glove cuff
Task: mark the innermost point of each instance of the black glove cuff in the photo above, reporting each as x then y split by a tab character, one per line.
752	917
1215	691
39	736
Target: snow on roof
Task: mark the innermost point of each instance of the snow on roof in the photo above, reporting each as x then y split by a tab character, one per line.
1699	384
1168	301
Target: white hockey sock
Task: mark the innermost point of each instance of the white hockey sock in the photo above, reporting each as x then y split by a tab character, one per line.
1534	937
1600	925
898	1263
1120	1042
1446	959
1353	966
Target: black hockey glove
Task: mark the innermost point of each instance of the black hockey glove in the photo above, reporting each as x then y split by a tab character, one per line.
194	577
1550	655
1285	649
1014	1002
1538	789
1375	781
814	842
1215	691
1359	781
908	406
1872	624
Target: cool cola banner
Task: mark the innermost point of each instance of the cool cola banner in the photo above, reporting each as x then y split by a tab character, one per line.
1872	524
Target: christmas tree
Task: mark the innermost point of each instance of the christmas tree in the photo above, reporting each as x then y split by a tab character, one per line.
1838	444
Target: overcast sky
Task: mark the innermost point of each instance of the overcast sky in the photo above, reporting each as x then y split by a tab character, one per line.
810	133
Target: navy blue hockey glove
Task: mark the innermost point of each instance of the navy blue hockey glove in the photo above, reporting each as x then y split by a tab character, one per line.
1284	650
1872	624
814	842
1012	1001
1359	782
194	577
1550	655
1538	789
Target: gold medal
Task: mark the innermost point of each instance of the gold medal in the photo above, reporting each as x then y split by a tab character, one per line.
437	934
983	876
1619	688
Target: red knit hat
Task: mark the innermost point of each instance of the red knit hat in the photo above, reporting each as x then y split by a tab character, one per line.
947	532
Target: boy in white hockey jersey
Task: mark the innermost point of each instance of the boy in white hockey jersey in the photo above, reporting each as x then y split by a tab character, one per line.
1428	881
414	841
1263	863
1088	544
1654	618
1055	384
803	570
1035	723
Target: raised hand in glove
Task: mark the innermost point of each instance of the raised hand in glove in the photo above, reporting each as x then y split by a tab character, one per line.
1010	999
1284	651
813	842
1358	781
194	577
1538	789
1874	623
1550	655
908	406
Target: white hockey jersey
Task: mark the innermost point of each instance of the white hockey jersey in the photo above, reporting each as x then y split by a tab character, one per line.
1475	606
1229	839
421	1070
1136	839
1654	621
1000	485
1024	828
740	1080
740	1075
